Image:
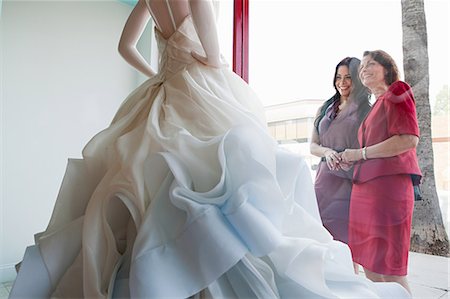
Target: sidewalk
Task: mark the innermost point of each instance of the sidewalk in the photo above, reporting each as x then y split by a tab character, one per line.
428	277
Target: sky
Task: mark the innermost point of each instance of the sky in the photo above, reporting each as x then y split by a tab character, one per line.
296	44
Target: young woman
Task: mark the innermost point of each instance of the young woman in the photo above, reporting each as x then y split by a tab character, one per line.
335	129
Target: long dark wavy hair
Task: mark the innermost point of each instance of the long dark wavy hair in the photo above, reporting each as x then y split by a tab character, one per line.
360	94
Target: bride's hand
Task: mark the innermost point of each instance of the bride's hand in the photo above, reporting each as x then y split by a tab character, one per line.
214	62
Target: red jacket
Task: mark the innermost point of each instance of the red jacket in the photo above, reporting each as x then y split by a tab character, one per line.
394	113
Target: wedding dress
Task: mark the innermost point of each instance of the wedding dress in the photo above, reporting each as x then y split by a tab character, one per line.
185	194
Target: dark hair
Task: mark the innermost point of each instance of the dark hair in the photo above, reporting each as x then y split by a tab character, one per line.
392	74
360	94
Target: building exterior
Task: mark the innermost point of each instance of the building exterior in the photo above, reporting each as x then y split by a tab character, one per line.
291	124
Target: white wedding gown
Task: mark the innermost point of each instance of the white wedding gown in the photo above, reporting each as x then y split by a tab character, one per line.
186	194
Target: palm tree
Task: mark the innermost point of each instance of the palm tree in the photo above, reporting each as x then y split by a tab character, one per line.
428	232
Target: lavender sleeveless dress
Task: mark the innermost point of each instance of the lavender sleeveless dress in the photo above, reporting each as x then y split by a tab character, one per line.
333	188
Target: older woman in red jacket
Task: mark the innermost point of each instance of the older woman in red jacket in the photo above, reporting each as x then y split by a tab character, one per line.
382	199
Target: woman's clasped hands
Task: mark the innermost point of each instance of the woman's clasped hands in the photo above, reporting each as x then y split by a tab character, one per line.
336	162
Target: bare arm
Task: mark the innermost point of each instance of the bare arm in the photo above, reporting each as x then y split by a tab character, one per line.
205	25
134	27
390	147
315	148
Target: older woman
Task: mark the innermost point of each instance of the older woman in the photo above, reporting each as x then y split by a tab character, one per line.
382	198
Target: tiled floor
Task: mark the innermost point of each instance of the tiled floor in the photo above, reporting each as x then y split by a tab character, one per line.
428	276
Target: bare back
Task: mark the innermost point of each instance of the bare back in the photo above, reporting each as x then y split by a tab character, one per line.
168	14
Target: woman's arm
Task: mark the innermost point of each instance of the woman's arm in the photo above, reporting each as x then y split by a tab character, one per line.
393	146
134	27
205	25
330	155
315	148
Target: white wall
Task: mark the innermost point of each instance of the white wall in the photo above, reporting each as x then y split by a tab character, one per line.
61	82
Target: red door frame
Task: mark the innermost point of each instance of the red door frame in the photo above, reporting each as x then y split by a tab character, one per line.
240	38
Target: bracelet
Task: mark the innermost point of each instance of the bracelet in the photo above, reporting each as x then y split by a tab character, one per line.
364	153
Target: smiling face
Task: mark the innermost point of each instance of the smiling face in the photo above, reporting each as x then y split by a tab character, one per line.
343	81
372	73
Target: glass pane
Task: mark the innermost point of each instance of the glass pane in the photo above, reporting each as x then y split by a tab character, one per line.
295	46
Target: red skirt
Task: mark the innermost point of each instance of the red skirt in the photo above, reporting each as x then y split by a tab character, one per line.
380	224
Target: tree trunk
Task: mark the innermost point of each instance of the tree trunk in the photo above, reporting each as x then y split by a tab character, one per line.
428	232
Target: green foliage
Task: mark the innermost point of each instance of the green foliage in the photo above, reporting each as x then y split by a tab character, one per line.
441	106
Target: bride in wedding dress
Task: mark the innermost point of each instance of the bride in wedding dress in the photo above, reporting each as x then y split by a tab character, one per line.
185	194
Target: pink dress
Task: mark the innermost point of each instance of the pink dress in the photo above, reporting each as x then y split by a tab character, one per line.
382	199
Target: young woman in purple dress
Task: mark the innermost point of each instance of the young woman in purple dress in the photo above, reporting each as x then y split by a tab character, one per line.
335	129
